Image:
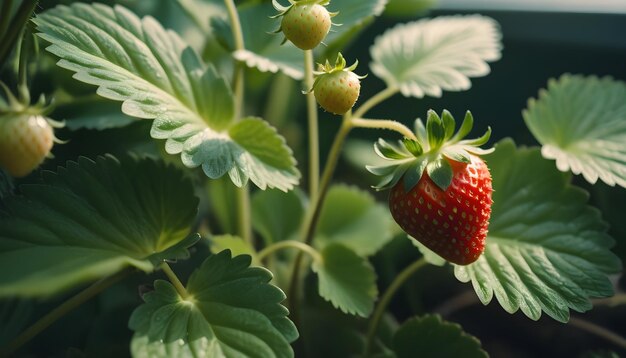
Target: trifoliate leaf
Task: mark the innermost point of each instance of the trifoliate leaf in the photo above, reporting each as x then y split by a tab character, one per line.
426	57
92	219
263	48
148	68
581	123
276	216
353	218
231	311
430	336
347	280
546	250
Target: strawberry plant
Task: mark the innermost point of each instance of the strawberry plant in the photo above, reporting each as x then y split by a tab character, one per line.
165	196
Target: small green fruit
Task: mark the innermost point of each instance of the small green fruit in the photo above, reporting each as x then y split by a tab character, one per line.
337	88
25	141
306	25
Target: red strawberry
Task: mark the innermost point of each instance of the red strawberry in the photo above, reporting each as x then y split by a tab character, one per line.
440	189
337	88
25	141
305	23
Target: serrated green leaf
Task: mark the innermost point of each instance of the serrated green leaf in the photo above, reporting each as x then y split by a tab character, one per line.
92	219
581	123
347	280
277	215
353	218
157	77
232	310
430	336
440	172
236	245
547	250
430	257
426	57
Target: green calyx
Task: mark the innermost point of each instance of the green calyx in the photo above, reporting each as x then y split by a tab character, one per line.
10	104
327	69
436	144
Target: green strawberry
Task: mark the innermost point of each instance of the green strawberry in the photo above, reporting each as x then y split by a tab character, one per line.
440	188
337	88
305	22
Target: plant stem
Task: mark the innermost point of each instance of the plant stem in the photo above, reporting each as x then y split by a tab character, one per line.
63	309
599	331
314	156
243	216
373	101
5	17
15	28
238	76
304	248
384	124
386	298
180	288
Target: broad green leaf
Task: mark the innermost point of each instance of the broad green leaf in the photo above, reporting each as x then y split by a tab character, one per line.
426	57
263	49
347	280
157	77
277	215
408	8
581	123
92	219
15	314
91	112
353	218
430	336
231	311
236	245
546	250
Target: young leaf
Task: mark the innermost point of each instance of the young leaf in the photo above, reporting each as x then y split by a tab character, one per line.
425	57
547	250
231	310
347	280
581	123
430	336
90	220
148	68
353	218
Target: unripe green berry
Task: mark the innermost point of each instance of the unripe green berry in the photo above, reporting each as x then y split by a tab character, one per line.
337	92
25	141
306	25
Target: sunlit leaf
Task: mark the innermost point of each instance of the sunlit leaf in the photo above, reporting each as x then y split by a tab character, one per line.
231	311
581	123
157	76
426	57
547	250
92	219
430	336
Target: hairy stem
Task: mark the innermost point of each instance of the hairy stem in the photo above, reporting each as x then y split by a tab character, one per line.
238	76
244	220
304	248
384	124
375	100
15	28
180	288
314	156
386	299
63	309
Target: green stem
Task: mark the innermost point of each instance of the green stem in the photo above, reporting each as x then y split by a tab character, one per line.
384	124
599	331
180	288
314	156
15	28
243	216
386	298
22	72
373	101
238	76
5	17
304	248
63	309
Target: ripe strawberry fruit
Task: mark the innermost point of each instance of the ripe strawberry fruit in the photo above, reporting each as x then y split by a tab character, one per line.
25	141
440	189
305	23
337	88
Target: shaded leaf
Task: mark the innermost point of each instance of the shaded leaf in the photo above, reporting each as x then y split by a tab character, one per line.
92	219
581	123
547	250
277	215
